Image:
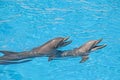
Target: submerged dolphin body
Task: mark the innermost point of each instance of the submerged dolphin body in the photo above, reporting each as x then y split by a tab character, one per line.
46	49
13	62
83	51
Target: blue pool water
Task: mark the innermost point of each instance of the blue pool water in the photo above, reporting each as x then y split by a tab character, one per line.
25	24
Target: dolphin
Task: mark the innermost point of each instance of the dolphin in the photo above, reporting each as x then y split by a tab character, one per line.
82	51
43	50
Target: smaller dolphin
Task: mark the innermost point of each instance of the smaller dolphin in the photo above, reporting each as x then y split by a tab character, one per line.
83	51
44	50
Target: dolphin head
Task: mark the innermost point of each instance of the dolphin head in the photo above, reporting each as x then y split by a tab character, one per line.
91	46
52	45
59	42
96	46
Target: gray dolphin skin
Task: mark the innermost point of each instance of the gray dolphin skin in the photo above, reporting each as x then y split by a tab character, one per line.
83	51
46	49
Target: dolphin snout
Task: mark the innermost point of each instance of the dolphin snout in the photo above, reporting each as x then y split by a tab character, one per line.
95	42
64	42
66	38
95	47
98	41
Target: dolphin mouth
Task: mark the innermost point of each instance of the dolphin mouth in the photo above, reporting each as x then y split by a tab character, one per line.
66	38
64	42
96	46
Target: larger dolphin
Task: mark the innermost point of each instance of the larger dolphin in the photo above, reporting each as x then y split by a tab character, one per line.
83	51
49	47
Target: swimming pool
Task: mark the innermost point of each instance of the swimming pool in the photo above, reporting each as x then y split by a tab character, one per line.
25	24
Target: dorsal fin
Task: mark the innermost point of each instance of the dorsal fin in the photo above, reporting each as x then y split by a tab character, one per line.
8	52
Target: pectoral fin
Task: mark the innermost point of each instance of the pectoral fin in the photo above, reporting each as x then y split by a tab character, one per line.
51	57
84	58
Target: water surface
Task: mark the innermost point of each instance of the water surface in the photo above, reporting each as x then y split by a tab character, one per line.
25	24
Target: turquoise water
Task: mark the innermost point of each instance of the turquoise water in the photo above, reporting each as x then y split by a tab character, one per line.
25	24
